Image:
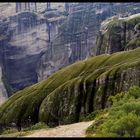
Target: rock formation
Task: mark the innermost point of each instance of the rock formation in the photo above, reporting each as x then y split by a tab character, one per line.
73	92
35	44
24	39
76	37
118	34
77	90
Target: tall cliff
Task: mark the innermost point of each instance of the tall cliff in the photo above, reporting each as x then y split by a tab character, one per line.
78	89
119	34
36	44
76	38
24	39
3	92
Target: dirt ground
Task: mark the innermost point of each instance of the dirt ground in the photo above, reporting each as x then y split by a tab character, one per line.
71	130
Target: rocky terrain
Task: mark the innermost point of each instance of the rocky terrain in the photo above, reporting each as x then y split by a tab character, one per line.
24	39
30	54
118	34
36	44
73	92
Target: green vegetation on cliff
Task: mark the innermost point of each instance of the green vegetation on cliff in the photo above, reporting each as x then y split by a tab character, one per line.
122	119
118	34
73	92
134	42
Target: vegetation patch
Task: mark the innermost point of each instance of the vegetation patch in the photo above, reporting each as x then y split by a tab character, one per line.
37	126
134	43
13	132
122	119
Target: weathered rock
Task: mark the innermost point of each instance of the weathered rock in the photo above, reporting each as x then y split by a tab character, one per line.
118	34
76	37
3	92
25	43
36	45
73	92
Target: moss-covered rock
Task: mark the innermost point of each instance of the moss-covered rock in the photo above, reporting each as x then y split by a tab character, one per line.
118	34
73	92
134	43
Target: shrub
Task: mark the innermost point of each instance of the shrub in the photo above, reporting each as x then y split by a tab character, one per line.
92	115
137	132
123	118
134	92
39	125
11	130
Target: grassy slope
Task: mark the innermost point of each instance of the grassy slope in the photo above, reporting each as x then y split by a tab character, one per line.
32	100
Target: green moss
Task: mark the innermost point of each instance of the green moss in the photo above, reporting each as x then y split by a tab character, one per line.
37	126
133	43
137	27
63	93
133	21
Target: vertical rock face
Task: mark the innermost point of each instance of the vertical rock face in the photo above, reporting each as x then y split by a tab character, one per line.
76	37
38	44
5	33
25	39
27	43
26	6
83	25
3	92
